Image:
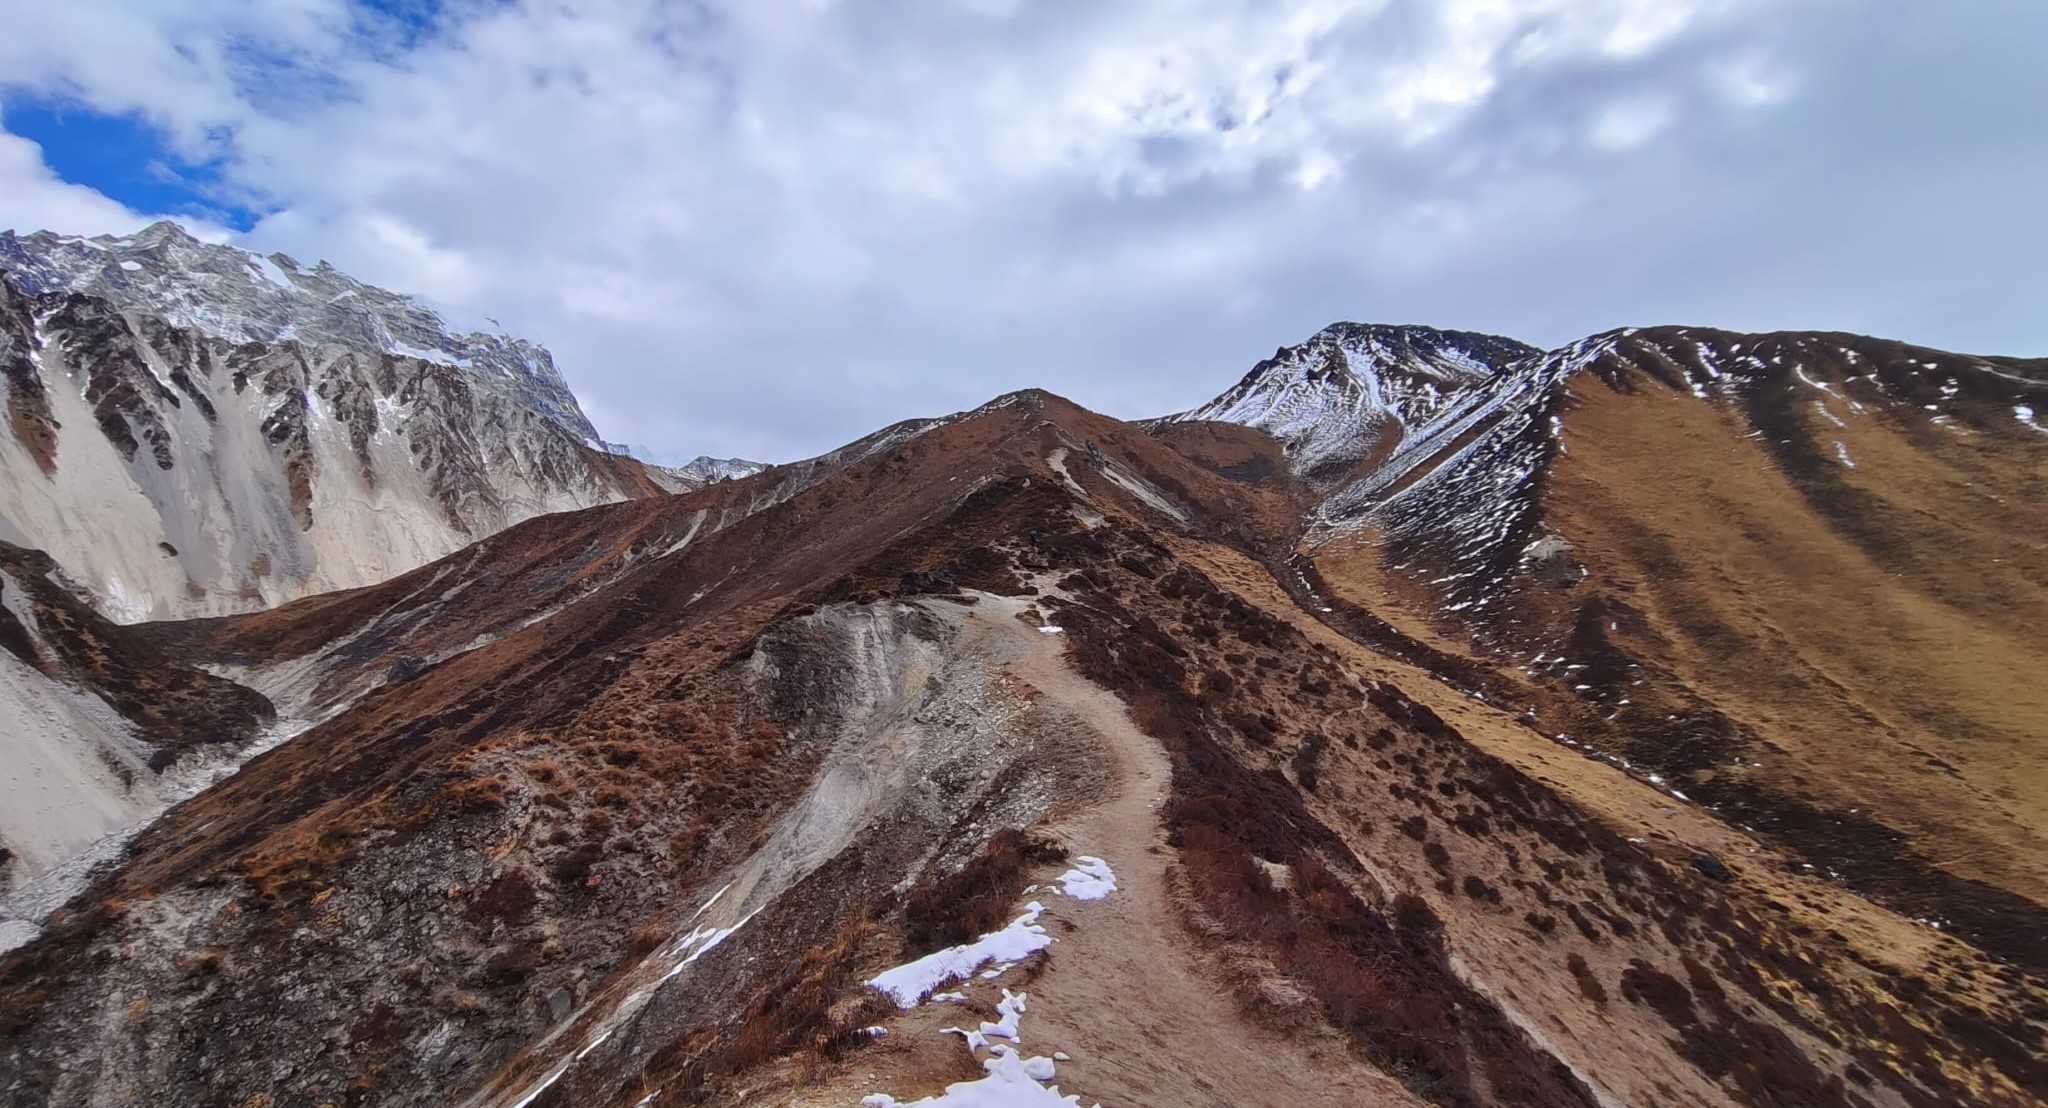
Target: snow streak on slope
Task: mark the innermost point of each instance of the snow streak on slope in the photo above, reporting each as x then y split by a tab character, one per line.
1465	486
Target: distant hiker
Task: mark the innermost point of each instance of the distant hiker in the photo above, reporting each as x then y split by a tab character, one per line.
1034	537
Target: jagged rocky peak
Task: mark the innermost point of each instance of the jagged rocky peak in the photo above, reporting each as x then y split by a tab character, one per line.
709	469
700	470
193	430
1349	391
240	296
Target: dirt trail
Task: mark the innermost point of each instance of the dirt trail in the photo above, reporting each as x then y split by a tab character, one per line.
1144	1014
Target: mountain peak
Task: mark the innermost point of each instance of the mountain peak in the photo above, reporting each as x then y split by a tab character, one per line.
1345	394
365	436
162	231
241	296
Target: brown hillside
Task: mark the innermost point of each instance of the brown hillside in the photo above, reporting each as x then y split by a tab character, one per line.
629	802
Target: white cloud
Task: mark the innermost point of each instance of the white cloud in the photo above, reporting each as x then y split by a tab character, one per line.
1631	123
1753	81
765	228
33	198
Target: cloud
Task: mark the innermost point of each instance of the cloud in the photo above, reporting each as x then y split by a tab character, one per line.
1629	124
37	199
766	228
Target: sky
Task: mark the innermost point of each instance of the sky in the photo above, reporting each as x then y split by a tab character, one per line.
765	229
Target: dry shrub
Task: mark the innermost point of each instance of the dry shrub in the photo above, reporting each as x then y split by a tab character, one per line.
965	905
1307	757
547	771
509	898
510	966
479	794
1477	888
1588	984
572	869
791	1013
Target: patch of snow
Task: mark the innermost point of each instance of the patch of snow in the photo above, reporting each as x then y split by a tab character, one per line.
1058	461
1800	371
910	982
426	355
1090	879
2025	414
1013	1081
1842	455
1050	629
1008	1011
677	546
270	271
132	267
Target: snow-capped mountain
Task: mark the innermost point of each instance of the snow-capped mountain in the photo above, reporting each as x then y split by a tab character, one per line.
700	470
1437	442
1355	393
196	430
240	296
708	469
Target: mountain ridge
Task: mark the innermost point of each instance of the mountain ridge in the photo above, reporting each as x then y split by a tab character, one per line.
637	797
196	430
242	297
1434	720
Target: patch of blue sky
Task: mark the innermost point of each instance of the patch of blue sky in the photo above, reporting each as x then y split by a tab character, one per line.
125	158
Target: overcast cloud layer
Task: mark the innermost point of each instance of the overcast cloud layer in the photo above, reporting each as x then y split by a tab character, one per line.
768	228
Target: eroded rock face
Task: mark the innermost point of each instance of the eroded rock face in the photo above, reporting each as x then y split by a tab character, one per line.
195	431
95	717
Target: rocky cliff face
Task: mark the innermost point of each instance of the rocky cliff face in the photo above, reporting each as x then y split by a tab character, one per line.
193	430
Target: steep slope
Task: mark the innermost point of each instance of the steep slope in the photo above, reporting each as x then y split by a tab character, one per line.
101	730
626	806
194	430
1795	577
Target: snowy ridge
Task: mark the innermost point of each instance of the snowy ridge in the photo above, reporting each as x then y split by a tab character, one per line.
708	469
1437	442
1476	508
1354	388
238	296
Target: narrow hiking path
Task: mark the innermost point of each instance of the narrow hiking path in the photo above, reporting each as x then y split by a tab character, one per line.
1145	1016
